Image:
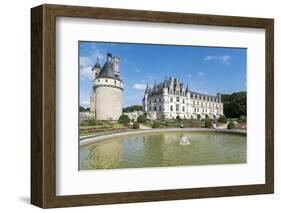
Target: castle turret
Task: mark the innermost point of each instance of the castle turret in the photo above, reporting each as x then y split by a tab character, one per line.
107	89
219	97
96	69
145	98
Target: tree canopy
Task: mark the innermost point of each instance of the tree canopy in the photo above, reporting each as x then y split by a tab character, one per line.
235	104
82	109
132	108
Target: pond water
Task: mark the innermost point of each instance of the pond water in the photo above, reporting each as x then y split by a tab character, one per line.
164	149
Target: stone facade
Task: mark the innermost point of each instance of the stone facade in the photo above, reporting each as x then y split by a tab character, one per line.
107	90
170	99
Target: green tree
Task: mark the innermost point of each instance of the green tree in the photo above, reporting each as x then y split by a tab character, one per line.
242	119
231	125
155	124
208	123
124	119
222	119
235	104
82	109
132	108
136	125
141	119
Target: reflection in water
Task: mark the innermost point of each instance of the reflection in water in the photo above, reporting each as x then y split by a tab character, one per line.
164	149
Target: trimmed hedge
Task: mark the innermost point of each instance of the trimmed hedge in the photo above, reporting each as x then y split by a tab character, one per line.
155	124
141	119
208	124
136	125
124	119
231	125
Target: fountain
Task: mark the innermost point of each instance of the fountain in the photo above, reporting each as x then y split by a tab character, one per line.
184	141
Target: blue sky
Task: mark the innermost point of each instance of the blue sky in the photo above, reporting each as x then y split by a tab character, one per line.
206	69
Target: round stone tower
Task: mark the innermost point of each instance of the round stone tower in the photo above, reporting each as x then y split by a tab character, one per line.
107	91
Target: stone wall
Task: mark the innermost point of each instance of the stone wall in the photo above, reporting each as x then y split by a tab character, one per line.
133	115
85	116
108	103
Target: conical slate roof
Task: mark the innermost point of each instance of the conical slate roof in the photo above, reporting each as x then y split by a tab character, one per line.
97	65
107	71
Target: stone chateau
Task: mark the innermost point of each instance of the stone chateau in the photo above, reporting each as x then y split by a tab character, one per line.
167	100
171	99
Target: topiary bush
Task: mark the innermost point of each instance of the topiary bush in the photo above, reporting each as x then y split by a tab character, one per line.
136	125
124	119
155	124
222	119
231	125
141	119
208	123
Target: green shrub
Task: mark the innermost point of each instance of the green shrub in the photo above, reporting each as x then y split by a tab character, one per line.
141	119
242	119
208	123
222	119
155	124
231	125
124	119
136	125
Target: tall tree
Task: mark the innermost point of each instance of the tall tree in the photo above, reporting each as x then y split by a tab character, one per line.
235	104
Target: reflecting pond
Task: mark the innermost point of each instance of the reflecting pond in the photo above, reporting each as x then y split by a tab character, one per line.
164	149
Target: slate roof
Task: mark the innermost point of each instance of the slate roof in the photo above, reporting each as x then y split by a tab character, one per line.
107	71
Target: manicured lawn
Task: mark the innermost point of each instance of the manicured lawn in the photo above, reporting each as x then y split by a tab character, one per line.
117	126
102	127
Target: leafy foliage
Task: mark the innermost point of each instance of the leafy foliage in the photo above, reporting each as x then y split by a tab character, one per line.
124	119
132	108
231	125
155	124
242	119
235	104
82	109
141	119
222	119
208	123
136	125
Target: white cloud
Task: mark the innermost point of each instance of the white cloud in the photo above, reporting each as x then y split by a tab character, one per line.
137	70
222	58
139	86
87	61
85	103
201	74
86	73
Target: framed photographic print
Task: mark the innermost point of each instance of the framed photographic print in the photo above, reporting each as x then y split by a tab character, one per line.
136	106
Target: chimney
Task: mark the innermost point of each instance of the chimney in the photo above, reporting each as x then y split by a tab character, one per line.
109	57
116	64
